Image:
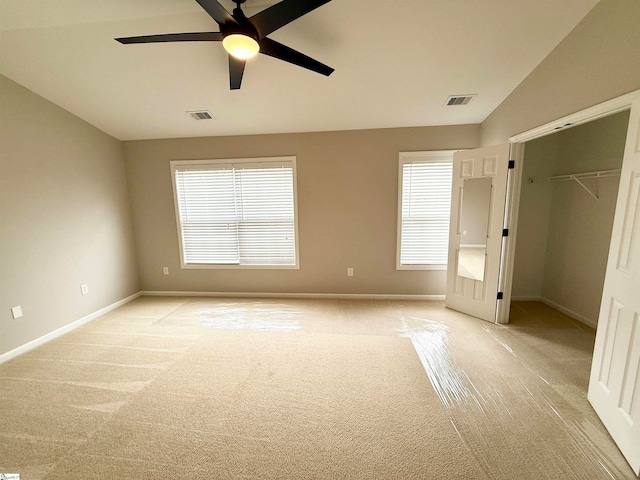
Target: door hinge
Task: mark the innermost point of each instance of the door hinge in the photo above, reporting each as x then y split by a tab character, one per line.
500	295
505	232
512	164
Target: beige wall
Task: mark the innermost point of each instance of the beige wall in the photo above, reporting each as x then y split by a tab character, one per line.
536	195
563	233
580	226
347	210
599	60
64	216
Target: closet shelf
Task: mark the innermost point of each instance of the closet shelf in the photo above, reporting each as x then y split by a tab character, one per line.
578	177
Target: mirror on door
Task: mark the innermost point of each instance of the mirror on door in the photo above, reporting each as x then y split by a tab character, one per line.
474	221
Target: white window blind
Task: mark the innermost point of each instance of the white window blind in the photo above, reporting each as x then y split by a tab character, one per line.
239	213
425	203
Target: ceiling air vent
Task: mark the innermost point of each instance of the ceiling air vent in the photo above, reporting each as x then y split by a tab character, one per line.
459	100
200	115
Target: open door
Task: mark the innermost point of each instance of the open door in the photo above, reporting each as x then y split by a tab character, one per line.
478	199
614	385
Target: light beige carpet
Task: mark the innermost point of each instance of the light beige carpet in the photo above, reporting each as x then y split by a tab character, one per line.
220	389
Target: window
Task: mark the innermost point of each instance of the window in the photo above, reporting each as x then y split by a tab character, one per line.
237	213
423	210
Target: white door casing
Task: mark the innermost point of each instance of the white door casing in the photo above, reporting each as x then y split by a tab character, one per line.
473	297
518	142
614	385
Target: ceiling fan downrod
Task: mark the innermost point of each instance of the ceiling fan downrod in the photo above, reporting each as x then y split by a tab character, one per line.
238	9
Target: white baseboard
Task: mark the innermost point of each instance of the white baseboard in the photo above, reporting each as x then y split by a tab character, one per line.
67	328
361	296
570	313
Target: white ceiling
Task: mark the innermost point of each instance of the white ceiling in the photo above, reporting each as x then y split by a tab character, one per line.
396	62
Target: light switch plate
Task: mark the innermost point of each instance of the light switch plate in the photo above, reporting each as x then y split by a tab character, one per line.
16	312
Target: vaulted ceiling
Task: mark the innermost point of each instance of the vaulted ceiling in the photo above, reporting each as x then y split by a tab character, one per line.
396	62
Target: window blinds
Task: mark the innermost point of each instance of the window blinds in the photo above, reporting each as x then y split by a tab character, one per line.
237	214
426	204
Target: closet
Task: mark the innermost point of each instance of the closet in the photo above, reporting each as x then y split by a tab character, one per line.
567	203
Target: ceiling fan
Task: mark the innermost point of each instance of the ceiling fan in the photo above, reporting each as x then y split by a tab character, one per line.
244	37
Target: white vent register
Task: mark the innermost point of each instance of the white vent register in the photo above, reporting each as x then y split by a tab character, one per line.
455	100
200	115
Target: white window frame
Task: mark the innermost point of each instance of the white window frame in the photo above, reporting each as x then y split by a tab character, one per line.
409	157
182	164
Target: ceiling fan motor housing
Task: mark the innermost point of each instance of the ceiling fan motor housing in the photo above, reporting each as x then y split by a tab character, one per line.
243	26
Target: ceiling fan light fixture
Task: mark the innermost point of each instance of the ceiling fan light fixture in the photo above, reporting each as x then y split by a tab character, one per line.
240	46
243	38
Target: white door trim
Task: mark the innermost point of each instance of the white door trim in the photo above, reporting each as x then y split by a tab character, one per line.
507	259
600	110
516	142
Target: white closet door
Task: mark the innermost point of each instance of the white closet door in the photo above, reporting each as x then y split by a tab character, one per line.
614	385
473	288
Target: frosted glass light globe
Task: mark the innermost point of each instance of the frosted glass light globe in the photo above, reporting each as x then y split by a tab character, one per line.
240	46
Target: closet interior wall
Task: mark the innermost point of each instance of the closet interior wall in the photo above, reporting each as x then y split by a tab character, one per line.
563	232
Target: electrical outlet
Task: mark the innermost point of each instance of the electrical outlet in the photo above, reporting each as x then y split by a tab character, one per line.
16	312
349	272
165	270
84	289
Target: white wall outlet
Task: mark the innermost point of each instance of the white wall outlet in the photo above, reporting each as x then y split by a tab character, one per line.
16	312
165	270
349	272
84	289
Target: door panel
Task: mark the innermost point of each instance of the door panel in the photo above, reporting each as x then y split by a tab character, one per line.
465	292
614	385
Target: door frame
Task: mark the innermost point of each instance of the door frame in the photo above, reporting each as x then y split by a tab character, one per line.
516	150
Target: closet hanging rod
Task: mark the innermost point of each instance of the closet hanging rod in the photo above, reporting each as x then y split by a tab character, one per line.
578	177
586	175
